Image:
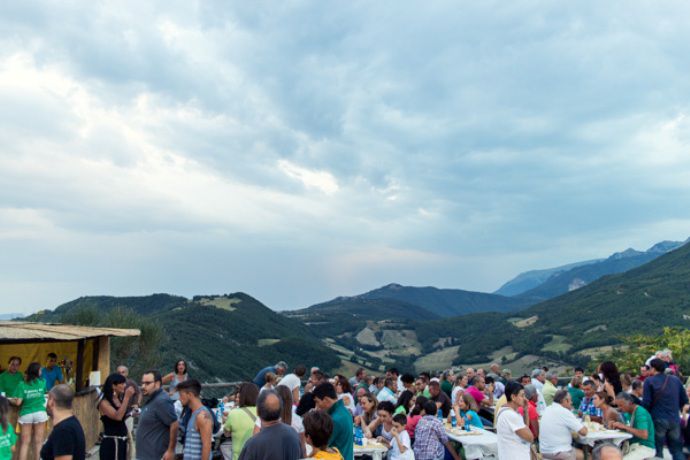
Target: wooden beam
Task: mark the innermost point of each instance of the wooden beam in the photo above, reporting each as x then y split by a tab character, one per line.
104	357
79	383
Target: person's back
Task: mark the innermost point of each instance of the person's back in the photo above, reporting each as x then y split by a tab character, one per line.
67	436
275	442
664	396
428	438
556	426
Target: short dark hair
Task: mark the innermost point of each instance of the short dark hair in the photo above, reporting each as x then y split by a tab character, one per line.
248	394
658	365
268	414
488	379
63	395
191	385
400	418
325	390
360	371
300	370
407	378
386	406
430	408
12	358
636	384
394	370
579	369
512	389
52	355
389	381
318	425
156	375
33	372
560	395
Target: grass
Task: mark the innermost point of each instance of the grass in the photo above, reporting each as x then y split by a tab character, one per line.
367	337
224	303
437	360
557	344
267	342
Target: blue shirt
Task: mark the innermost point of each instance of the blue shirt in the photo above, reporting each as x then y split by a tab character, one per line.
260	379
51	375
664	405
587	408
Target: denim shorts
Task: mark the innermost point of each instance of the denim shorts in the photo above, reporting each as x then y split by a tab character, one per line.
34	417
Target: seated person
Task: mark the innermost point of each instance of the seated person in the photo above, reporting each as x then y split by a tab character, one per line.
587	406
556	428
430	436
400	445
318	427
641	427
466	412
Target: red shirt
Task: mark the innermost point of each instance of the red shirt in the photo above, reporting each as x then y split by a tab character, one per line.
533	415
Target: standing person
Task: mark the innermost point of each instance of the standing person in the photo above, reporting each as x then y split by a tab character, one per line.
641	427
52	373
289	416
342	437
318	427
134	402
11	378
612	378
512	430
278	369
31	396
664	396
276	440
157	430
112	406
199	430
294	381
430	437
179	374
240	421
8	438
66	440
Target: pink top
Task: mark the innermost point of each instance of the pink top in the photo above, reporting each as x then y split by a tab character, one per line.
476	394
412	424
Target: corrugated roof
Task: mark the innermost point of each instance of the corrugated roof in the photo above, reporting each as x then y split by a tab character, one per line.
15	330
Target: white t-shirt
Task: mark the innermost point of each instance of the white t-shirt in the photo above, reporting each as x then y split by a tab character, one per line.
510	445
555	429
394	452
291	381
456	393
386	394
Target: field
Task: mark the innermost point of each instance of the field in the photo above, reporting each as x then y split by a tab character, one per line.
437	360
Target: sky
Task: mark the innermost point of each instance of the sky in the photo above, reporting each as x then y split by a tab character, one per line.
298	151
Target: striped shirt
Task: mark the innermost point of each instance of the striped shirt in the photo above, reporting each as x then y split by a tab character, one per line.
192	440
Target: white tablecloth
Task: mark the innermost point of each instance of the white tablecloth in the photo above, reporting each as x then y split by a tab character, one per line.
376	451
482	445
615	436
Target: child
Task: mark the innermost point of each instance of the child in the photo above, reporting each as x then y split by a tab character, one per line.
8	438
466	412
318	427
400	445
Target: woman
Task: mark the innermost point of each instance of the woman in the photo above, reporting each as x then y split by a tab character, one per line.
512	429
611	378
405	403
383	425
415	415
112	406
602	401
288	416
240	421
8	439
179	374
458	389
368	417
466	412
270	379
31	396
344	392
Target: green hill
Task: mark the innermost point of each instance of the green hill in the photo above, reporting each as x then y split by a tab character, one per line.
226	337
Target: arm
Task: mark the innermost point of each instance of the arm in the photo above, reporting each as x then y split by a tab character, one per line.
167	378
642	434
525	434
647	394
372	427
109	411
170	453
295	394
205	426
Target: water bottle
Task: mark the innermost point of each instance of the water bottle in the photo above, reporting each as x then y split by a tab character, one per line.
359	436
221	411
439	414
453	420
467	424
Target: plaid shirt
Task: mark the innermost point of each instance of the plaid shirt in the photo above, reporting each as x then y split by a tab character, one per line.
587	408
429	438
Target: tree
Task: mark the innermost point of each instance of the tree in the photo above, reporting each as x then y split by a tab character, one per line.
636	349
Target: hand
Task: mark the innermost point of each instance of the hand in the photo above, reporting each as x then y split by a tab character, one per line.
616	425
394	431
129	392
169	455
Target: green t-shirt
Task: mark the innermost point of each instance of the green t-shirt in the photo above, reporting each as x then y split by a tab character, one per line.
576	395
446	387
241	424
7	439
400	410
643	421
33	396
10	382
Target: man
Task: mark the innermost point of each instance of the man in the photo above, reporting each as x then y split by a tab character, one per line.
550	389
11	377
316	377
470	373
342	437
52	373
360	375
294	381
637	391
276	440
531	397
447	381
606	451
664	397
538	380
587	405
494	386
476	389
395	375
198	437
556	428
133	403
495	369
66	440
430	436
157	430
389	390
641	427
408	383
440	398
279	370
525	380
481	373
507	376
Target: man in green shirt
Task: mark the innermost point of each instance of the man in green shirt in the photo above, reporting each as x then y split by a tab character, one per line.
550	389
641	427
10	379
342	437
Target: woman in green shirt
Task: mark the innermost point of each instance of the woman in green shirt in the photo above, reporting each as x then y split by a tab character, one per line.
8	438
31	396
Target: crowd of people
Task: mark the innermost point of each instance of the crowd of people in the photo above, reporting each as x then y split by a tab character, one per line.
286	415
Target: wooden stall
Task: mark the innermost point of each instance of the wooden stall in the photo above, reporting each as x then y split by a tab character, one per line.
83	353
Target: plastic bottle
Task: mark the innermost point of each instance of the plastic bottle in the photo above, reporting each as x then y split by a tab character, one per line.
359	436
439	414
221	411
453	420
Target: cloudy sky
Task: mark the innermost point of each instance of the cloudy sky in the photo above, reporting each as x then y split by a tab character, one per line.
302	150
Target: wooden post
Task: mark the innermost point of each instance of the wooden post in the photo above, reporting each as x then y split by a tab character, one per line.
104	356
79	384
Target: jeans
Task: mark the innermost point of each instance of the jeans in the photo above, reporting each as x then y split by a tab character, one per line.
668	431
